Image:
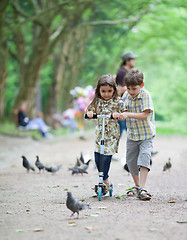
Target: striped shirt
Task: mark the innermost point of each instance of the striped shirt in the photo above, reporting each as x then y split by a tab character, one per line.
140	129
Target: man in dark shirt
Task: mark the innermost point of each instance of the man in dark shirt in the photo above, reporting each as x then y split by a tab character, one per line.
128	62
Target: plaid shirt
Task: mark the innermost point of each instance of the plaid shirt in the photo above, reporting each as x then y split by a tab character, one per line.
140	129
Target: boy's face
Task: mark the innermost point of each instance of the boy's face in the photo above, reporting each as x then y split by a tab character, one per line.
134	90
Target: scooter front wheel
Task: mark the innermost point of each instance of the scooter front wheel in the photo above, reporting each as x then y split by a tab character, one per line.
111	191
99	194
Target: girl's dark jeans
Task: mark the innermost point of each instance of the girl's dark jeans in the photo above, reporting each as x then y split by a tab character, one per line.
106	167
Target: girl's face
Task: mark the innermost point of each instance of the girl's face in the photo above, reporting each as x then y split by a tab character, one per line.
106	92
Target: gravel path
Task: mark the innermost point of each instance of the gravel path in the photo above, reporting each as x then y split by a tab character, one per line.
32	205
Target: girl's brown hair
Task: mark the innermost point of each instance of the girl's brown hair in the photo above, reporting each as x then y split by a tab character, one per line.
104	81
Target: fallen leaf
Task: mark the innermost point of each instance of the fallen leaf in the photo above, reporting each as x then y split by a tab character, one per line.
172	201
54	186
97	212
82	200
72	224
122	196
94	215
75	186
152	229
151	211
8	212
129	189
181	221
38	230
19	230
66	189
90	228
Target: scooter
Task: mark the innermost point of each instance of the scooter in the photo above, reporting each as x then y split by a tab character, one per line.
100	189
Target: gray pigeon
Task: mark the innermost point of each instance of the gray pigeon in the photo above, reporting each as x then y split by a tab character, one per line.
53	169
153	153
78	163
77	170
79	160
74	205
82	158
85	166
167	166
27	165
38	164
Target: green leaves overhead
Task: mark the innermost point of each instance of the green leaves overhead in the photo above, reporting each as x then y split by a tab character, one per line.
98	32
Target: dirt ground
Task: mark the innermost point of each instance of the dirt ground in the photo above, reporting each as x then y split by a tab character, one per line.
32	205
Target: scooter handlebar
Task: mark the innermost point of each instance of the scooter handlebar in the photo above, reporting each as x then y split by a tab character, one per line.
95	116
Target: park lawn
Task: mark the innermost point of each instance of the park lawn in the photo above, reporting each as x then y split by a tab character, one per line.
9	129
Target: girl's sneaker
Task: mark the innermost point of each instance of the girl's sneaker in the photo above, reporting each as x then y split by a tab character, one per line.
108	187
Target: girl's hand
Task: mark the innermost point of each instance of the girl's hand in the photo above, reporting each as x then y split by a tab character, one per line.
123	116
90	114
115	115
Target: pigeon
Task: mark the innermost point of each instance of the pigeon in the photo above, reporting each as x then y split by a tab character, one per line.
27	165
126	168
38	164
85	166
53	169
74	205
82	158
167	166
153	153
79	160
78	163
77	170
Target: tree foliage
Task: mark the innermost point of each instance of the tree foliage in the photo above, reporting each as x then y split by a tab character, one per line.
59	44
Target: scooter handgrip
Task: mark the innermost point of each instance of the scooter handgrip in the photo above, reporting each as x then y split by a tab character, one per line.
94	116
111	116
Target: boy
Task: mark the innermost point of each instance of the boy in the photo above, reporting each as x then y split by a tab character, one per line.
140	131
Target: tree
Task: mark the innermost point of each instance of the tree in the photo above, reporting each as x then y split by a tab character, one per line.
3	57
38	19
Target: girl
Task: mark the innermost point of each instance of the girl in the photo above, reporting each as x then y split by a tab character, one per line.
106	102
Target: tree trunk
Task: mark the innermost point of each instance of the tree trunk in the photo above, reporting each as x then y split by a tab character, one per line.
73	54
67	70
3	57
28	89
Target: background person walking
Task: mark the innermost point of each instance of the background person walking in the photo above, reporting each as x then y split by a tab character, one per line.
128	62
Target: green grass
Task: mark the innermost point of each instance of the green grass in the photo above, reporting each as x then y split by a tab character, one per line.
170	128
10	129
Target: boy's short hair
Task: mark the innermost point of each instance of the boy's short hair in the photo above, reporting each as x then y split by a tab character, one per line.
134	77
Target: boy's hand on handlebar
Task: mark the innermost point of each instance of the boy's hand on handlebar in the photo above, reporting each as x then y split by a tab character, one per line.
123	116
115	115
90	114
